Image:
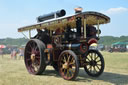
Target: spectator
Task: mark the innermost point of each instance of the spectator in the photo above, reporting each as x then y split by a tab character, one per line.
14	54
11	54
21	53
1	52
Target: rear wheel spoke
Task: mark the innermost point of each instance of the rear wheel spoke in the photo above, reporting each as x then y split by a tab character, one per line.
28	52
38	57
28	59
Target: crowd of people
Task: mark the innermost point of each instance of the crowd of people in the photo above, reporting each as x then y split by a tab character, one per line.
15	53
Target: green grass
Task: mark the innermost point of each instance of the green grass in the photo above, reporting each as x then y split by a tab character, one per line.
13	72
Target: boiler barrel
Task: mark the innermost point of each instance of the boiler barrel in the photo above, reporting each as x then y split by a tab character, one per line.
52	15
78	48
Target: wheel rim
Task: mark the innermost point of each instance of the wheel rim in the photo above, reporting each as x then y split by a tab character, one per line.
94	64
67	66
32	57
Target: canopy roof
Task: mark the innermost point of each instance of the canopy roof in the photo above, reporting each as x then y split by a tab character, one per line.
92	18
120	43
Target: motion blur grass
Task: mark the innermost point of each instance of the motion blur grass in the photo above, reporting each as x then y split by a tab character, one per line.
13	72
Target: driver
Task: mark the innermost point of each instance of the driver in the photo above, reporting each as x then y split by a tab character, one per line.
43	36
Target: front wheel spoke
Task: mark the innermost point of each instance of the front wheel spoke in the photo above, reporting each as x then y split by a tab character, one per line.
98	64
94	54
98	61
88	59
91	54
95	69
98	68
89	67
96	58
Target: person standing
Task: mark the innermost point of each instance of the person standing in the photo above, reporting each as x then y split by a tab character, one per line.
14	54
1	52
21	53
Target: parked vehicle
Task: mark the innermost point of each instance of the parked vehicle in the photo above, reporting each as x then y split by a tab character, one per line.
118	47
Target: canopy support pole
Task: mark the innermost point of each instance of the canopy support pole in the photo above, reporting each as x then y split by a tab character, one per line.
29	34
50	33
25	35
98	29
84	27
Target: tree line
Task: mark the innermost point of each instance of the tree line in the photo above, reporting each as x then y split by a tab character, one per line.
108	40
105	40
13	41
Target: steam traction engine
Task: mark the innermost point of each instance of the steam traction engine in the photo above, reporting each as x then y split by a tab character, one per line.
63	42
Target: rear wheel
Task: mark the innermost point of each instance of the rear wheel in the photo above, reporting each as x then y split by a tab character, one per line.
68	65
94	63
34	57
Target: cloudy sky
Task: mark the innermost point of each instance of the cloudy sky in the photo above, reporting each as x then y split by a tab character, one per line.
18	13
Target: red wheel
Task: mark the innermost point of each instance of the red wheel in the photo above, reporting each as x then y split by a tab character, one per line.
68	65
34	57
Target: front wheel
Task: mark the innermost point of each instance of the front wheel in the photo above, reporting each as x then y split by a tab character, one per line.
94	63
68	65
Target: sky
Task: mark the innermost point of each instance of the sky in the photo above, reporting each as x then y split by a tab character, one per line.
19	13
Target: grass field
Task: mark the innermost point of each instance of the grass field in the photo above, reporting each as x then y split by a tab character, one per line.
13	72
